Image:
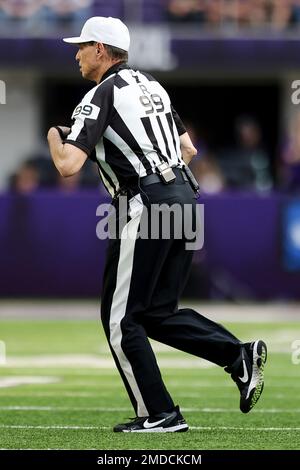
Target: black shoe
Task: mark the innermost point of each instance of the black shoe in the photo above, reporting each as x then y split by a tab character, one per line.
163	422
248	373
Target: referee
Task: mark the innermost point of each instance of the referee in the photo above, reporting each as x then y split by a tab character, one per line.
128	127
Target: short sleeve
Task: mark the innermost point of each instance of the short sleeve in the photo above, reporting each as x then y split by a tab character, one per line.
178	122
91	117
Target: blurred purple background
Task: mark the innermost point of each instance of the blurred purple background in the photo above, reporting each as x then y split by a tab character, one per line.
49	247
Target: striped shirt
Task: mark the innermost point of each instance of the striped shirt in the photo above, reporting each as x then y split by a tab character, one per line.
127	125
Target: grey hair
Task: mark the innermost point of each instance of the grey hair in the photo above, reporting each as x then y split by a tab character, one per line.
112	51
116	53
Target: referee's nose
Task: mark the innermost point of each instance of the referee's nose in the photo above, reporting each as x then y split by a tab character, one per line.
77	55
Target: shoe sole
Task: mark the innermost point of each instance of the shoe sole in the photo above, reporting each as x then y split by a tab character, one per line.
256	385
178	428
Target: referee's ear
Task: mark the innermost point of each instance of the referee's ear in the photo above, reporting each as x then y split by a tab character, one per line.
99	48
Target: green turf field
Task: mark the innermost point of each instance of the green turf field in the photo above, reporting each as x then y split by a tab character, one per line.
59	390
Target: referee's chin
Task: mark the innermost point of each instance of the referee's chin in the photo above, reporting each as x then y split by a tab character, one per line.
88	76
84	75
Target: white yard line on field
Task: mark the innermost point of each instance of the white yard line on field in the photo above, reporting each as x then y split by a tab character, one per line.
61	408
118	409
60	393
19	426
194	428
93	361
15	381
37	448
239	428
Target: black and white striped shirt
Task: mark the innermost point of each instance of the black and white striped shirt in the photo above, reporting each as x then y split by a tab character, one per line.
129	121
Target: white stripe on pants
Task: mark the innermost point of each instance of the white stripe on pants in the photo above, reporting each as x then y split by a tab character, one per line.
119	303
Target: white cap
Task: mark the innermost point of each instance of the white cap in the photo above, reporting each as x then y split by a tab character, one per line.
110	31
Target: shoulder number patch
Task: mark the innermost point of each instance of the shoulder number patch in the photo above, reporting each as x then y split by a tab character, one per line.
86	110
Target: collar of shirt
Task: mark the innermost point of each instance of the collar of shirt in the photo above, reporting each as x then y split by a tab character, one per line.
115	69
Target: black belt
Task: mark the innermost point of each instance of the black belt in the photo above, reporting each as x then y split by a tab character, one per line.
155	178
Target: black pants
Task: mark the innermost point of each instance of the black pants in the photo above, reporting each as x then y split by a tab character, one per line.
143	281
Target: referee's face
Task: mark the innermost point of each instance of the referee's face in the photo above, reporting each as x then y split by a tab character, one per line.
86	57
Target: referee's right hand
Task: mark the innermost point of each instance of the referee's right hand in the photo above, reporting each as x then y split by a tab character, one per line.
63	131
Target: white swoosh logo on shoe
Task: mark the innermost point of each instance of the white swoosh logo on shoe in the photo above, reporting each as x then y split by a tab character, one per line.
245	377
148	425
